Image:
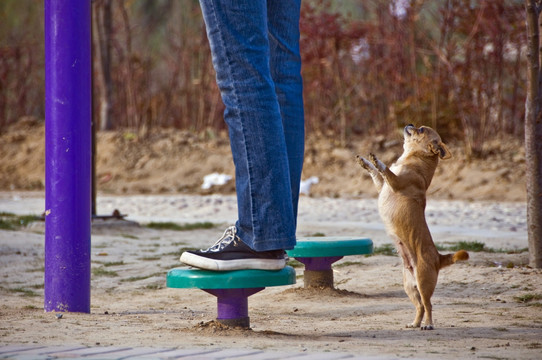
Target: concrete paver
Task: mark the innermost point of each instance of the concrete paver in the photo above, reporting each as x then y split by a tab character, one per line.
41	352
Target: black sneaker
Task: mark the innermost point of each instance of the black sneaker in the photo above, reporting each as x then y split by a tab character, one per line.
230	253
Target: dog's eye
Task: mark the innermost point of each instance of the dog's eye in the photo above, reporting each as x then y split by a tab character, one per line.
421	130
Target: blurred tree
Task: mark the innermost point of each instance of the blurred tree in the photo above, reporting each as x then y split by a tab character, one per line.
533	133
103	24
22	56
369	67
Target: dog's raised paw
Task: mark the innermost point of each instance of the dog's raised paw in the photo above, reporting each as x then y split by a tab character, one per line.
377	163
363	162
374	159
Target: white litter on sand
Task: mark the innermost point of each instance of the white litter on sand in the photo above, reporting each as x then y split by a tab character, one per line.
305	185
215	179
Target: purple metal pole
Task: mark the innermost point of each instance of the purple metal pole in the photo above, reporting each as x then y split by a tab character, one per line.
232	305
67	155
318	263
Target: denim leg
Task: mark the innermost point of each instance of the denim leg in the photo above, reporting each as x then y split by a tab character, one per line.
285	64
240	46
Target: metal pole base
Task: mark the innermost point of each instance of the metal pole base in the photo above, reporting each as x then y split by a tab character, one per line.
318	272
318	278
232	306
236	323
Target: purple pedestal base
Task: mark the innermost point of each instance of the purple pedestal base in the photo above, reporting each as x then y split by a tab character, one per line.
318	272
232	305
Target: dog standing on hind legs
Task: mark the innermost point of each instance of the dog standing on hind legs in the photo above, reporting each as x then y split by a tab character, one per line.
401	204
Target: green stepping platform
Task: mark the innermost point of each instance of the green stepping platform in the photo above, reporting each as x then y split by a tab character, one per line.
331	246
231	288
239	279
318	253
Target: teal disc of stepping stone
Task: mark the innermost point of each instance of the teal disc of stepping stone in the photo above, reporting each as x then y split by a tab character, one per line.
238	279
331	246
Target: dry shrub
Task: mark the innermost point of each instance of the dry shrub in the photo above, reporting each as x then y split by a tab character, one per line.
456	65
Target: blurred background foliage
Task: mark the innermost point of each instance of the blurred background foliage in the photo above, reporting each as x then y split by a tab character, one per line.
369	67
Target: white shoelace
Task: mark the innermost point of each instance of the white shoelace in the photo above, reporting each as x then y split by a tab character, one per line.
229	235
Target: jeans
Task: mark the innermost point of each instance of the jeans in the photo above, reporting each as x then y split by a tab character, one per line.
255	53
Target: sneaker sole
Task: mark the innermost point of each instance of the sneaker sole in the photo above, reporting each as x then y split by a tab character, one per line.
227	265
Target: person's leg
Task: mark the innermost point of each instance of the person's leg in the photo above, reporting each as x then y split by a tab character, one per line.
285	64
238	35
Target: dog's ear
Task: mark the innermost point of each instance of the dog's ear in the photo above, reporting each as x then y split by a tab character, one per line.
441	150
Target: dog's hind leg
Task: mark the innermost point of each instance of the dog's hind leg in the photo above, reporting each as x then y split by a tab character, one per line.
427	282
373	171
411	289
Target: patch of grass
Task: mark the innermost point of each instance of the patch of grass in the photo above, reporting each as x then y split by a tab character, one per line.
138	278
179	227
9	221
476	246
317	234
23	291
101	271
24	220
134	278
128	236
386	249
528	298
154	287
108	263
113	263
150	258
6	225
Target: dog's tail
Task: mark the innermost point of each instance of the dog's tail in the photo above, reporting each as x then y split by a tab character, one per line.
449	259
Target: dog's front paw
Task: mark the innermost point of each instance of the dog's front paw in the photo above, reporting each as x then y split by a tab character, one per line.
364	163
412	326
377	163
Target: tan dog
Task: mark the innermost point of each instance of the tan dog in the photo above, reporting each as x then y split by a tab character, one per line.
401	203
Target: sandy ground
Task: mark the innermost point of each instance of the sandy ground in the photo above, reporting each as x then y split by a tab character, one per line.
488	307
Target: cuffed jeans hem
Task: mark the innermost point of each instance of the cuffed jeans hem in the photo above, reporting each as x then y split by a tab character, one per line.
281	244
267	244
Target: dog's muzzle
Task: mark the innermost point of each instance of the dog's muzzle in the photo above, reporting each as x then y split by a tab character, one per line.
409	129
